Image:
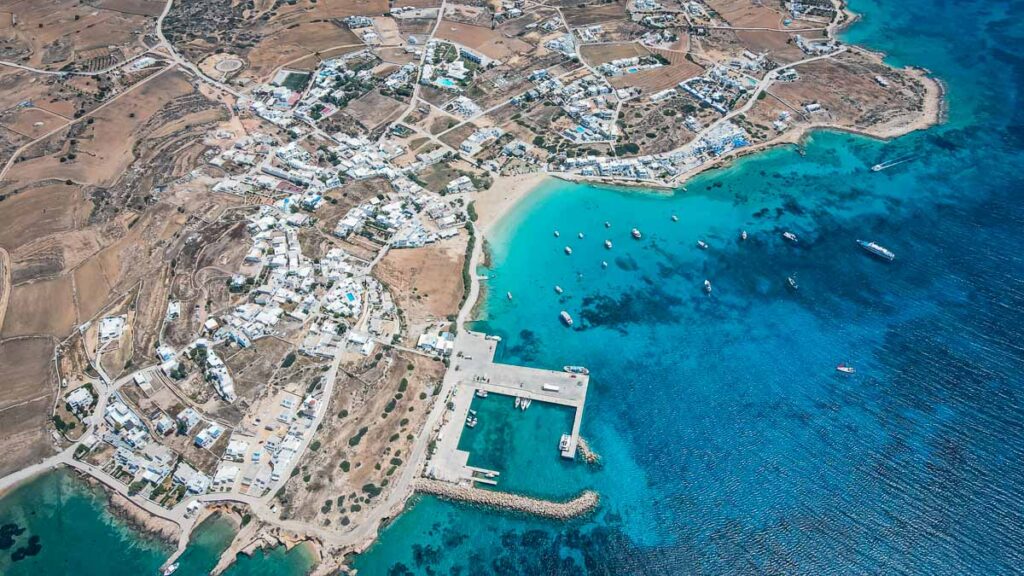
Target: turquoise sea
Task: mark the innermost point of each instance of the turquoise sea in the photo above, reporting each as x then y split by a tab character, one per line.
729	443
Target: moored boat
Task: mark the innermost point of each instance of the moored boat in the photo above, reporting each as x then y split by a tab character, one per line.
580	235
566	318
707	286
604	264
675	218
576	370
508	295
607	224
636	234
558	289
481	393
568	250
702	245
557	234
608	244
564	442
170	569
791	282
743	235
877	250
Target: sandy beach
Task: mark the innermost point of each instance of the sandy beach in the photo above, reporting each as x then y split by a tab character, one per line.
506	191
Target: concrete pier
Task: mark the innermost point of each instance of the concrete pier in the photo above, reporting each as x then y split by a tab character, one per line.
476	370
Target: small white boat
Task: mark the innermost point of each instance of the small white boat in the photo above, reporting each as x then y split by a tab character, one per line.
702	245
636	234
519	402
563	443
481	393
743	235
675	218
566	318
607	224
576	370
846	368
558	289
557	234
707	286
580	235
525	404
170	569
604	264
791	282
471	422
508	295
608	244
568	250
790	236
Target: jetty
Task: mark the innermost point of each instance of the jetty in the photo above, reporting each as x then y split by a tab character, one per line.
582	504
476	370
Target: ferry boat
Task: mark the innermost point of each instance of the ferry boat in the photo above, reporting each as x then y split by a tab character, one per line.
564	442
792	283
743	235
576	370
877	250
557	234
846	369
481	393
170	569
568	250
580	235
702	245
790	236
558	289
508	295
675	218
566	318
707	286
608	244
636	234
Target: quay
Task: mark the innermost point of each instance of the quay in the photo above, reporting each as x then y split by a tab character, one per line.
476	369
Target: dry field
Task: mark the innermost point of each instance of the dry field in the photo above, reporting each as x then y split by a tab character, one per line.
374	109
747	14
53	34
426	282
658	79
490	43
25	401
780	46
99	152
577	16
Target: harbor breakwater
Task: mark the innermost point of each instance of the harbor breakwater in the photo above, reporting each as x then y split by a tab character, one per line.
581	505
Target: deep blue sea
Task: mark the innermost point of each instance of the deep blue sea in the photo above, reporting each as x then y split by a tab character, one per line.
729	443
